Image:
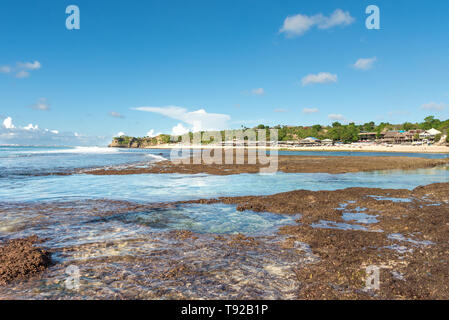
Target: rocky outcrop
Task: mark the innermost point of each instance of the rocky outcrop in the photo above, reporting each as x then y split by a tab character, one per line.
132	142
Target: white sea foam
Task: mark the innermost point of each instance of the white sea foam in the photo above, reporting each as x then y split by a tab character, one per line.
157	157
75	150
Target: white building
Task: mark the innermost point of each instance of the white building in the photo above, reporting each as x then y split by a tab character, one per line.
429	134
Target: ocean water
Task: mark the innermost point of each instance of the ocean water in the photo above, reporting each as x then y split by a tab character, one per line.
24	177
28	161
108	225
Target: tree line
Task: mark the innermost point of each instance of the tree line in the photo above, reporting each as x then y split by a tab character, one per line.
337	131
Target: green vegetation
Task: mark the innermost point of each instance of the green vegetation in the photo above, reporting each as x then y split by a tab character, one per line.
350	132
126	141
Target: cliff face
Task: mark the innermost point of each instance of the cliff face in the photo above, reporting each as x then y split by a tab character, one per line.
132	142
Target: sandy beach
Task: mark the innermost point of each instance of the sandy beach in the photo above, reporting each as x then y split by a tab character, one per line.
345	147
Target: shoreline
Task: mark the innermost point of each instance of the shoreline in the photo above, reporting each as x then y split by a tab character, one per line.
343	148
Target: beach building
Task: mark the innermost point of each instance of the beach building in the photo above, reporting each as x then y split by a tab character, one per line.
368	136
398	137
310	141
430	134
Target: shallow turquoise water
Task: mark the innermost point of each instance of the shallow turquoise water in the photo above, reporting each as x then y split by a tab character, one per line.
174	187
82	224
22	180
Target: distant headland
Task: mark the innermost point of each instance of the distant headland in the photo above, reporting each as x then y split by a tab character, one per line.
408	136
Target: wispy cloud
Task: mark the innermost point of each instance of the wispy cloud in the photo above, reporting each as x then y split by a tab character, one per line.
41	104
198	120
22	69
336	117
310	110
433	106
258	91
280	110
395	113
36	65
364	63
5	69
322	77
116	115
299	24
22	74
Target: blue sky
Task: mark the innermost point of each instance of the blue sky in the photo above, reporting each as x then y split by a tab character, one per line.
137	66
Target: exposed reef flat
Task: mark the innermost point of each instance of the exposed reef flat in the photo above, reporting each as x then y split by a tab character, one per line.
286	163
21	259
323	255
405	233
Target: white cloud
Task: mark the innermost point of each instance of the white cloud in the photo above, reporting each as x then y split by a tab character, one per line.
7	123
33	135
310	110
120	134
322	77
299	24
41	104
337	18
364	63
258	91
179	130
151	133
31	127
198	120
116	115
336	117
433	106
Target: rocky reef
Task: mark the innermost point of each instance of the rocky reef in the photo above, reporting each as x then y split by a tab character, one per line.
287	164
21	259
